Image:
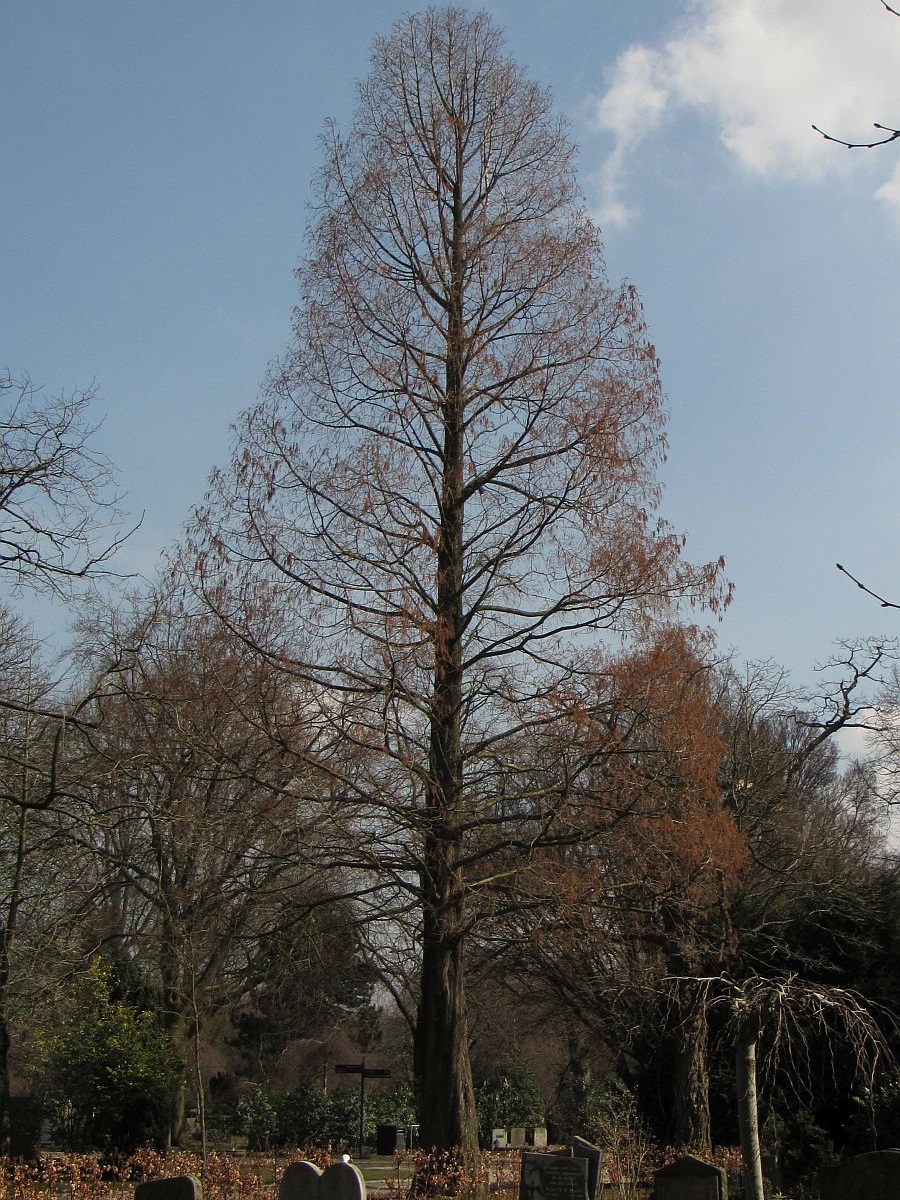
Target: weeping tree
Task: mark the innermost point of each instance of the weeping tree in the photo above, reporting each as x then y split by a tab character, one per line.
782	1015
450	487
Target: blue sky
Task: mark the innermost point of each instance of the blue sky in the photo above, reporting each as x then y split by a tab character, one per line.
155	163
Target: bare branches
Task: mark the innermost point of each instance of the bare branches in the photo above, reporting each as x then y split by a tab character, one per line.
59	510
785	1013
892	133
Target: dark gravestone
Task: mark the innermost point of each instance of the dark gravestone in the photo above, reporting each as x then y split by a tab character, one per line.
690	1179
874	1176
553	1177
304	1181
179	1187
594	1156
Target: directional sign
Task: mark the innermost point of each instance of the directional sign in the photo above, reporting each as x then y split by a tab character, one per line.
362	1069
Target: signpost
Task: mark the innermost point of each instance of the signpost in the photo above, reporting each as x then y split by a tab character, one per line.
364	1073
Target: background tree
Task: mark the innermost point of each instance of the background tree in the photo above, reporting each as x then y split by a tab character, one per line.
45	891
59	523
621	917
450	486
195	817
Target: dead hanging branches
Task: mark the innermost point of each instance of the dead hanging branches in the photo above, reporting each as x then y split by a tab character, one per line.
772	1024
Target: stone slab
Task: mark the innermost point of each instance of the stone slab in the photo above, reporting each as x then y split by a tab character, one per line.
178	1187
690	1179
304	1181
873	1176
553	1177
594	1156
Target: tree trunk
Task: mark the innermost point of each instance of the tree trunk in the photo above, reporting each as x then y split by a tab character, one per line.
748	1116
445	1094
690	1068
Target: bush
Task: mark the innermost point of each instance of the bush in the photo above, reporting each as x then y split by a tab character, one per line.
258	1118
508	1097
307	1117
394	1105
303	1118
104	1069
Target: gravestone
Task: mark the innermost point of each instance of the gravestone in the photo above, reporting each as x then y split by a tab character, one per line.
553	1177
498	1139
690	1179
517	1137
304	1181
179	1187
594	1156
874	1176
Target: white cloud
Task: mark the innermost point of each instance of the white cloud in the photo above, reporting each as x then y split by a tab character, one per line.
762	72
889	192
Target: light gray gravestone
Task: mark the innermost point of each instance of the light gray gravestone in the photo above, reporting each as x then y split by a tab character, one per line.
690	1179
178	1187
553	1177
517	1137
874	1176
539	1140
499	1139
304	1181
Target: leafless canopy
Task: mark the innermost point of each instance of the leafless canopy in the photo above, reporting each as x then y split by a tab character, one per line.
59	512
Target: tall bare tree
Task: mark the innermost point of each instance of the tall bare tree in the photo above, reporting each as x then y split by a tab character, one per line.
451	486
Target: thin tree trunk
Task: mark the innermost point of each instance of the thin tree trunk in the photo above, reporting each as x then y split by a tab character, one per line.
175	1025
6	940
198	1066
748	1115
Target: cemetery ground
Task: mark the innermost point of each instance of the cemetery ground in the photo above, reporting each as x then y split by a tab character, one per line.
240	1175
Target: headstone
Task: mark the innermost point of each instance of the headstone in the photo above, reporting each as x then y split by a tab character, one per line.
594	1156
690	1179
552	1177
517	1137
498	1139
539	1138
304	1181
179	1187
874	1176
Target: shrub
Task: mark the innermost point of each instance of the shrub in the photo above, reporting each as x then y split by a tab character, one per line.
303	1118
509	1096
258	1118
104	1069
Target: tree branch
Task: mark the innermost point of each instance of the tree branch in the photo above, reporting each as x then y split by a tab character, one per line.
862	587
